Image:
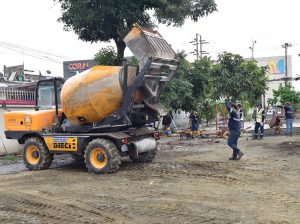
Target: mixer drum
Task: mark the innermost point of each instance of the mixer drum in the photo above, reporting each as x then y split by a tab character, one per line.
94	94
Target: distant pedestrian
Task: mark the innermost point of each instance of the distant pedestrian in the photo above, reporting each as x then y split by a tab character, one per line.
234	126
194	122
259	117
167	119
240	111
289	117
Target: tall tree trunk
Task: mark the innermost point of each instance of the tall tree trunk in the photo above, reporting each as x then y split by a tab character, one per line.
120	51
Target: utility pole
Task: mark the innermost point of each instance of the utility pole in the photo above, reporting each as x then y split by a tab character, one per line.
252	48
286	46
198	42
201	43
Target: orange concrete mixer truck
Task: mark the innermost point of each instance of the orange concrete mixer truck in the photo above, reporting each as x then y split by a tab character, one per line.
101	114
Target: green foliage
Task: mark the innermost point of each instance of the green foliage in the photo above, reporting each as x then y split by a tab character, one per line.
285	94
178	93
198	86
206	111
235	76
133	60
10	157
106	56
190	89
105	20
246	107
203	88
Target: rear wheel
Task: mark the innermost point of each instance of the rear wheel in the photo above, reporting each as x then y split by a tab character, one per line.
102	156
36	155
144	157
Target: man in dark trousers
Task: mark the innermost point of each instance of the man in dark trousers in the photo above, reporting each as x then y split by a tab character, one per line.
234	126
289	118
194	122
259	117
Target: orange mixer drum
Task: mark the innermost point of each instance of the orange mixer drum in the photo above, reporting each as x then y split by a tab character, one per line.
94	94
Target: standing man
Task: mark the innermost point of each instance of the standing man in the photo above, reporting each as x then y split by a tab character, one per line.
259	118
194	122
289	117
234	126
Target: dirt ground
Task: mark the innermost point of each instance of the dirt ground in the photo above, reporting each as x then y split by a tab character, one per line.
190	181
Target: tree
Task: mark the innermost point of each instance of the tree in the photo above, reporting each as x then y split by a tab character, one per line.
179	91
106	56
190	88
133	61
235	76
285	94
105	20
203	89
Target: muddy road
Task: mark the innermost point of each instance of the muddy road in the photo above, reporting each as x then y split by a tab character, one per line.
190	181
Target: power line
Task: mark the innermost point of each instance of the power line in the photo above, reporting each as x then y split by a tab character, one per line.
32	55
33	50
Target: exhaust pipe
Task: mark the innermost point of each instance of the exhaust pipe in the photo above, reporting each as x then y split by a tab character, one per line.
145	145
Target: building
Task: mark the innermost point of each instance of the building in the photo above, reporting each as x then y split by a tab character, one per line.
18	73
276	71
17	93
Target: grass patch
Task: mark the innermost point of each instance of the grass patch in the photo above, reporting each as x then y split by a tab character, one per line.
10	157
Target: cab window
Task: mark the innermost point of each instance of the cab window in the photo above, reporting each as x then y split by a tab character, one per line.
46	95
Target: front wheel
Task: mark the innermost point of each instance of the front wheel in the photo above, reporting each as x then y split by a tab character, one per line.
102	156
36	155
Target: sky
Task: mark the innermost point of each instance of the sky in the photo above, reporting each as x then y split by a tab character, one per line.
33	24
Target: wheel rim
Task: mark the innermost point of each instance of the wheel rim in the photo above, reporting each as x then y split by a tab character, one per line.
32	155
98	158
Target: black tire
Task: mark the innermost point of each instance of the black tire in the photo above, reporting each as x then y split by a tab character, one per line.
42	160
145	157
111	158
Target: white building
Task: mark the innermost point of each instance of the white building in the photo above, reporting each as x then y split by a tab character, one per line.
276	70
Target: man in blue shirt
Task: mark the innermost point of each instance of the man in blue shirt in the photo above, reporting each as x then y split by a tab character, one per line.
289	117
234	126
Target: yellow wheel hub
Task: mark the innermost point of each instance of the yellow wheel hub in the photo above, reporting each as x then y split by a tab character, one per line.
98	158
32	155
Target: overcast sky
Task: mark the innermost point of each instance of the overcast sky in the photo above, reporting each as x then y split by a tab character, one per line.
33	24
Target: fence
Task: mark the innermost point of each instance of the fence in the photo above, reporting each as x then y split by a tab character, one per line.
17	96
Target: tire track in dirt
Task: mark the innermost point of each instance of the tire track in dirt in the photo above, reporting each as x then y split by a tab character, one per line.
38	210
159	213
220	172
